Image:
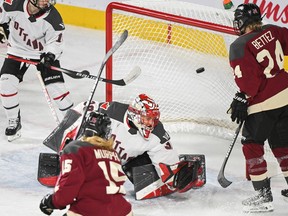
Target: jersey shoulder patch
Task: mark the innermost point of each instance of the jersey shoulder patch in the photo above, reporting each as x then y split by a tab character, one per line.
114	110
161	133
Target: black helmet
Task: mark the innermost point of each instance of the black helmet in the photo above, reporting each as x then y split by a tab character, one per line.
98	124
244	15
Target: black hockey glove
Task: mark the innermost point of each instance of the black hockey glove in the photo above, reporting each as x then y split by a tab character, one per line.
4	32
46	61
238	108
46	205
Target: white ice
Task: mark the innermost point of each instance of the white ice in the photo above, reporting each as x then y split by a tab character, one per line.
21	193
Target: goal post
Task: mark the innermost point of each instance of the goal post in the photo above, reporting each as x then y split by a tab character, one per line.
170	40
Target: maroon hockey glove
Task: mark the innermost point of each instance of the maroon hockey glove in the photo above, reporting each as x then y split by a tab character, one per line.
238	108
46	205
46	61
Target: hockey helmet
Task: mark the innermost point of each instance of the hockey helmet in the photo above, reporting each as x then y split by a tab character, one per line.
97	124
144	113
244	15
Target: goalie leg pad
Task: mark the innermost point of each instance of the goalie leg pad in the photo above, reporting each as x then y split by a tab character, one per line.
147	183
54	140
48	169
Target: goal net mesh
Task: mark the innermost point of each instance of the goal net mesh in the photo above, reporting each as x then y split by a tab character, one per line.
169	53
170	40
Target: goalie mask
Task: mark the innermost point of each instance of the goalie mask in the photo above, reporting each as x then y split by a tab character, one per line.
98	124
43	4
244	15
144	113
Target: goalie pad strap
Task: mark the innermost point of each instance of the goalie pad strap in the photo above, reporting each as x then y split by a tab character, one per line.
48	169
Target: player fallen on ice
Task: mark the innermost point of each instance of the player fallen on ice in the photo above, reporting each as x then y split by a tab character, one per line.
256	57
143	145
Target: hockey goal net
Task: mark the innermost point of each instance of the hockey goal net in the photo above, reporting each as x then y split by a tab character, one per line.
170	40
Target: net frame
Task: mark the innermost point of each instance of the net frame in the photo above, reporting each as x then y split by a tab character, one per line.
136	7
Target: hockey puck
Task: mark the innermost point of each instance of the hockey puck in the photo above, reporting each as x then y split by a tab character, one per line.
200	70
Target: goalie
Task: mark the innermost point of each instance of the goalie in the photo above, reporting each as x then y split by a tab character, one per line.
147	156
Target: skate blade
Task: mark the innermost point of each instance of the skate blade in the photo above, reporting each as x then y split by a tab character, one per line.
264	207
14	137
285	198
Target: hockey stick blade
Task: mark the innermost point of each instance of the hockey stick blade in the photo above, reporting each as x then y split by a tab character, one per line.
134	73
223	181
221	178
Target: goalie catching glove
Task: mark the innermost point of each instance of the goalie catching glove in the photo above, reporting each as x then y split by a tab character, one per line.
186	174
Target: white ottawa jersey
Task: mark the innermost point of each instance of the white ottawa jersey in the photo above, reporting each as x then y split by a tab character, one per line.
129	143
31	35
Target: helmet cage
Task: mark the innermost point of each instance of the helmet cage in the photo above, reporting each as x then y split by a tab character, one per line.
244	15
144	107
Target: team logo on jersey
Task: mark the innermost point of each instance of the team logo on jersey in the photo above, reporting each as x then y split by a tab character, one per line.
166	136
62	25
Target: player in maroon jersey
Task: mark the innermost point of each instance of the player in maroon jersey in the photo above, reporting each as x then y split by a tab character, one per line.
256	57
91	179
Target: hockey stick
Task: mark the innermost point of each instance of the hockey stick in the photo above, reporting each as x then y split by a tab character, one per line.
83	74
47	96
48	99
221	178
118	43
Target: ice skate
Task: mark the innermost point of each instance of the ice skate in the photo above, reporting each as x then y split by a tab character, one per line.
284	193
13	131
261	202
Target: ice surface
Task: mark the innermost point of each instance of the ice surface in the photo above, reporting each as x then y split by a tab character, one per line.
21	193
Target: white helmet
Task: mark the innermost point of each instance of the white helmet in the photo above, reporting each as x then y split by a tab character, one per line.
141	108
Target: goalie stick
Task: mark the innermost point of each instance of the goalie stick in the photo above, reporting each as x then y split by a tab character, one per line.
221	178
115	47
83	74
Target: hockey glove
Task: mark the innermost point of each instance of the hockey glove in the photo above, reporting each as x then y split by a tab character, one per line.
238	108
46	61
46	205
186	176
4	32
